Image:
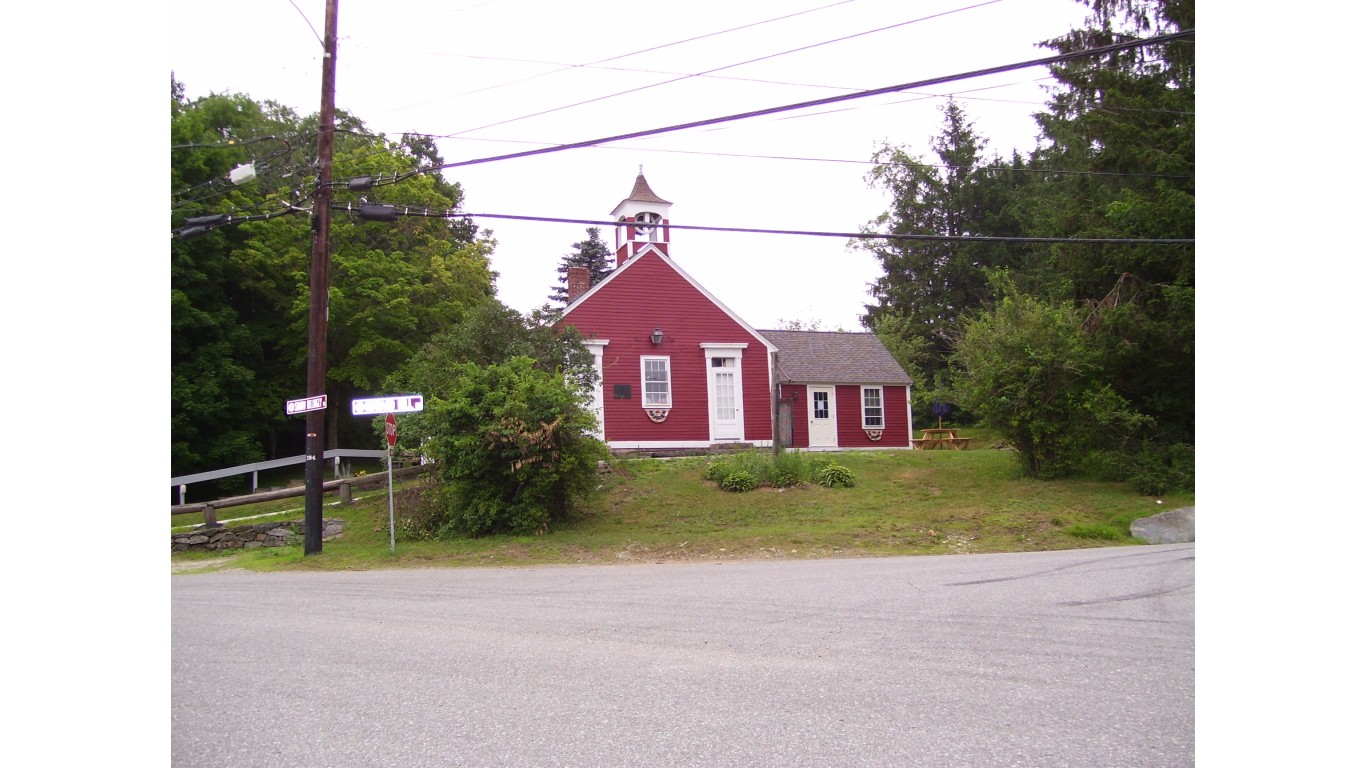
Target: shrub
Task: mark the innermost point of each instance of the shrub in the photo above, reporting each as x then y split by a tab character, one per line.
836	476
818	463
789	469
1029	369
1152	469
515	447
752	462
1157	470
716	471
418	512
783	470
758	464
739	481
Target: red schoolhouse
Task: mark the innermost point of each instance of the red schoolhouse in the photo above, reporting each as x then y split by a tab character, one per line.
679	370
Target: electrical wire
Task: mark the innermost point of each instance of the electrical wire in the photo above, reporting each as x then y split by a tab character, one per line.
198	226
230	143
1060	58
728	66
400	210
1045	61
1070	56
842	161
309	23
263	168
567	67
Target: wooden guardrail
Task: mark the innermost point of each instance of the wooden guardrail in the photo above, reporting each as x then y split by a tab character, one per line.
336	454
342	485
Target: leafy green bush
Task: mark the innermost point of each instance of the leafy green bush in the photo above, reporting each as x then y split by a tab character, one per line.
759	464
756	464
817	462
739	481
515	446
836	476
789	469
1152	469
716	471
418	512
784	470
1029	369
1157	470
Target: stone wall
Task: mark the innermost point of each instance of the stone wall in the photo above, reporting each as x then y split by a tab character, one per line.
250	536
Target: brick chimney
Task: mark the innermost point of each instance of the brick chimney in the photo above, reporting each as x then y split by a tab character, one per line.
578	283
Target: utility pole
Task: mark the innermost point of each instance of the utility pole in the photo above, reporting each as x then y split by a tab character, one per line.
317	290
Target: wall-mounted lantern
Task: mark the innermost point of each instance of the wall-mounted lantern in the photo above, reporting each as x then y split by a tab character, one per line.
657	337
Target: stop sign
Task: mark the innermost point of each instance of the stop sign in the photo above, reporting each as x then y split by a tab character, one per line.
390	430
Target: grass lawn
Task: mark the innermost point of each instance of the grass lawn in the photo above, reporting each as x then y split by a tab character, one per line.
659	510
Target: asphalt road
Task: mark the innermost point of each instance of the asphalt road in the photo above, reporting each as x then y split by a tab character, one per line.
1078	658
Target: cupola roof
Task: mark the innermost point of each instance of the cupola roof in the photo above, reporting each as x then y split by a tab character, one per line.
641	193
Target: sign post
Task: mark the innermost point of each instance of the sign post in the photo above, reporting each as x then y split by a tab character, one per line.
391	435
388	405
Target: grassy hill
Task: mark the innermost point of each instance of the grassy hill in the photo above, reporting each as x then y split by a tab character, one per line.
661	510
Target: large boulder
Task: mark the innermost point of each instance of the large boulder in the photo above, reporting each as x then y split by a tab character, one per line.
1175	526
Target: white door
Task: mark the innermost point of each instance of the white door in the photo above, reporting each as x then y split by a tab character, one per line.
723	395
596	347
820	417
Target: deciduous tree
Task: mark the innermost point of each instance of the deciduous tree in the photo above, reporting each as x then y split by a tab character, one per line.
1030	370
239	295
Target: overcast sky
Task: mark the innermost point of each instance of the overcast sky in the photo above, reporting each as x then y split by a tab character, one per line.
477	70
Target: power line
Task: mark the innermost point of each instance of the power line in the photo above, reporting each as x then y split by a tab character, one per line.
567	67
728	66
309	23
376	212
1045	61
1160	39
230	143
196	226
828	100
837	160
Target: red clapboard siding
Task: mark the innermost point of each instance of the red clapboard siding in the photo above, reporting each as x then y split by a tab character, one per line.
849	404
648	293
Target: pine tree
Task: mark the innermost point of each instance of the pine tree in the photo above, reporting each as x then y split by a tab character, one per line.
591	253
1127	121
929	287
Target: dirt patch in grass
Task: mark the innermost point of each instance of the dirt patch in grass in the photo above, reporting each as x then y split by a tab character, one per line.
206	565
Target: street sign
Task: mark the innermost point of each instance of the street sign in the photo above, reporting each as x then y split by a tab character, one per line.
374	406
305	404
390	430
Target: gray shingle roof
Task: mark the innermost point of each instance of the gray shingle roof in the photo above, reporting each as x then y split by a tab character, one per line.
641	193
833	357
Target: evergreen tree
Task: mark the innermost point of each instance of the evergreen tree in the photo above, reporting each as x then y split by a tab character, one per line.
929	287
592	253
1124	126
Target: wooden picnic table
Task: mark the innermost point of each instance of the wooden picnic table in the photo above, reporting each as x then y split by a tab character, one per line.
943	437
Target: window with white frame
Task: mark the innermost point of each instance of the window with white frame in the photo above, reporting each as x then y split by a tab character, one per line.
872	407
654	382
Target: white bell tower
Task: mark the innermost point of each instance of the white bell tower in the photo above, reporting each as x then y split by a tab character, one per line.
642	220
